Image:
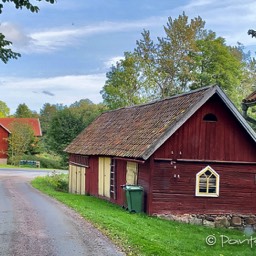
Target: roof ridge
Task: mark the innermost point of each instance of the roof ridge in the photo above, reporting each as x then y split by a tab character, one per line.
164	99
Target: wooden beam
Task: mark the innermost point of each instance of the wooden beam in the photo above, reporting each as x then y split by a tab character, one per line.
163	159
77	164
214	161
129	160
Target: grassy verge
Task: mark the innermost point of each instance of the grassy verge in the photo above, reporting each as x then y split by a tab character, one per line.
139	234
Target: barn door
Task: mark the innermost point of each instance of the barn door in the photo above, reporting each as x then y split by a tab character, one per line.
104	176
131	173
77	176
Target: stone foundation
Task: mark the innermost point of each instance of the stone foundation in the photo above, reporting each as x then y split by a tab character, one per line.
237	221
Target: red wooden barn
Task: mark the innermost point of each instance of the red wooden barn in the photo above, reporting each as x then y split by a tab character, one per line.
192	153
6	129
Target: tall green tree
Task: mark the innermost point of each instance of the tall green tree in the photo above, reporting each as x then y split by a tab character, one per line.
23	111
216	63
6	53
67	122
46	114
4	109
166	64
123	86
187	57
87	110
64	127
20	141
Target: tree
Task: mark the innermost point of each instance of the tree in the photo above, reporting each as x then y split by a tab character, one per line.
6	53
46	114
166	65
216	63
87	110
64	127
4	110
123	86
23	111
252	32
20	141
187	57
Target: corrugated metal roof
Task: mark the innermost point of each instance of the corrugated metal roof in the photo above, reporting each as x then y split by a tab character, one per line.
33	122
131	131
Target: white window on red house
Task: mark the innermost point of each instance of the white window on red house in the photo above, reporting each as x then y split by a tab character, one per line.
207	182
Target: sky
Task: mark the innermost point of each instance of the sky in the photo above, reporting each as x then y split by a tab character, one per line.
68	47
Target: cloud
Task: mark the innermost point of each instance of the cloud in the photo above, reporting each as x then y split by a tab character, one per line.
229	19
53	39
35	92
48	93
15	34
112	61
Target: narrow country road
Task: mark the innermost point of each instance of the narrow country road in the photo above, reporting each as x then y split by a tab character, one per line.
34	224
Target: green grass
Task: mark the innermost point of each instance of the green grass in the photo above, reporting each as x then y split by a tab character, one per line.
139	234
6	166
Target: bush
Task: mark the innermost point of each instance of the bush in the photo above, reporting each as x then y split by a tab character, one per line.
58	182
49	163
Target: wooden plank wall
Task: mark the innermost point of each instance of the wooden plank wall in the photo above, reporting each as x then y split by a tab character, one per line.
92	176
144	181
3	143
225	139
120	180
177	195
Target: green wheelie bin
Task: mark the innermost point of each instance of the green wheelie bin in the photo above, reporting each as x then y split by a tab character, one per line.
134	198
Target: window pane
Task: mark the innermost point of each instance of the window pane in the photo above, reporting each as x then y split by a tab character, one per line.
207	183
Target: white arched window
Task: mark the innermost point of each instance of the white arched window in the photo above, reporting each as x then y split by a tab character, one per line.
207	182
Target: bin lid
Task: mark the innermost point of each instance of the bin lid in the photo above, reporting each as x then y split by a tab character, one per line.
133	187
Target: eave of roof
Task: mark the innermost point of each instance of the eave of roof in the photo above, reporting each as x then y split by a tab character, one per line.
5	128
237	114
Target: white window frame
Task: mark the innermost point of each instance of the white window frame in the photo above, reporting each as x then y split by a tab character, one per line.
207	194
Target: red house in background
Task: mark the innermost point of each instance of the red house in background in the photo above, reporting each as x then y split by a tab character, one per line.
6	129
192	153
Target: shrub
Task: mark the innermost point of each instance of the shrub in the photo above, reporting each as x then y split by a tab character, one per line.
50	163
57	181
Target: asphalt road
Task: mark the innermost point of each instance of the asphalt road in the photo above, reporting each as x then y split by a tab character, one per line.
34	224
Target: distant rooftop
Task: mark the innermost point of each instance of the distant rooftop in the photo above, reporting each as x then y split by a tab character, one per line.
33	122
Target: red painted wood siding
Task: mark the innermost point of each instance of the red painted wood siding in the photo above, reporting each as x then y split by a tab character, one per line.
144	181
92	174
224	140
177	195
120	180
3	143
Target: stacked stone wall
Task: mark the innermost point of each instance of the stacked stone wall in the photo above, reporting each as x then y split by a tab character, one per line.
237	221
